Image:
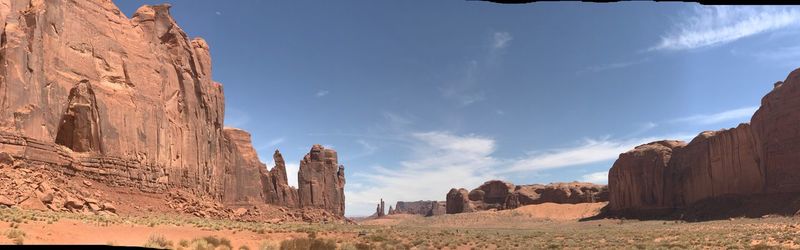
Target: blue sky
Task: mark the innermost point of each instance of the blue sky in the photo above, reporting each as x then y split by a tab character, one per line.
418	97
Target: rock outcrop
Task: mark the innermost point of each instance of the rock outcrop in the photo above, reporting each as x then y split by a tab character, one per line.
424	208
749	160
321	180
458	201
379	211
88	92
498	195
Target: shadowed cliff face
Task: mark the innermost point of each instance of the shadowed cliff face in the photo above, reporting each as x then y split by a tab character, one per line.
762	158
131	102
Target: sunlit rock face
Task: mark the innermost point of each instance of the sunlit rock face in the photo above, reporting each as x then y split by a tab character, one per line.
762	157
131	102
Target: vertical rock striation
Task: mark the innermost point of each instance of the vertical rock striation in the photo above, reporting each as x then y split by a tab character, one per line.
87	91
321	180
747	160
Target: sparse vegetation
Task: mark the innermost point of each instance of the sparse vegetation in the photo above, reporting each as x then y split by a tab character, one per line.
15	235
462	231
308	243
158	241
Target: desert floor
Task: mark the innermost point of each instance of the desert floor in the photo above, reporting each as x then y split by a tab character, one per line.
529	227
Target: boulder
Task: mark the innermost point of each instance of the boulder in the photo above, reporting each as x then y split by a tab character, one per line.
5	201
6	159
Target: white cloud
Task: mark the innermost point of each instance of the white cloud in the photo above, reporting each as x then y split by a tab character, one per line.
291	173
276	141
590	151
322	93
708	26
218	13
439	161
597	177
442	160
741	114
501	40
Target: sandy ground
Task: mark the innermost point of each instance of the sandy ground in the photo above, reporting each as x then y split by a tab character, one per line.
67	231
558	212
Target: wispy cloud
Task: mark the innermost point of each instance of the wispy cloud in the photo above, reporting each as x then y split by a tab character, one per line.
741	114
443	160
613	66
596	177
709	26
321	93
291	173
368	149
501	40
439	161
465	90
589	151
276	141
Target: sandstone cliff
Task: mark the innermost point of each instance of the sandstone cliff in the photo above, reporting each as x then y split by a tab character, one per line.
757	159
86	92
321	180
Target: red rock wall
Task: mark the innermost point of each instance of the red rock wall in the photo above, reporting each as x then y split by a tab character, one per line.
321	180
131	102
746	160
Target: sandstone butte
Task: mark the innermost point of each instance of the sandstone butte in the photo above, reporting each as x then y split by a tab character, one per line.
499	195
87	93
759	159
424	208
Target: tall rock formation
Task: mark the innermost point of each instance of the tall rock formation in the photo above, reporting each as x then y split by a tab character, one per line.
86	91
127	101
761	158
284	194
321	180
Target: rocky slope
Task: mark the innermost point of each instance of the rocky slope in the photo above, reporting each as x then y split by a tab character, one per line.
760	158
499	195
87	92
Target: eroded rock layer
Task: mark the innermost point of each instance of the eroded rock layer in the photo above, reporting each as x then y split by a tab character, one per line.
321	180
86	91
748	160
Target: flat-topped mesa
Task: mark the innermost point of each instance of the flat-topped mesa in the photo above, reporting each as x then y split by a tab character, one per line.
424	208
496	194
321	180
759	159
